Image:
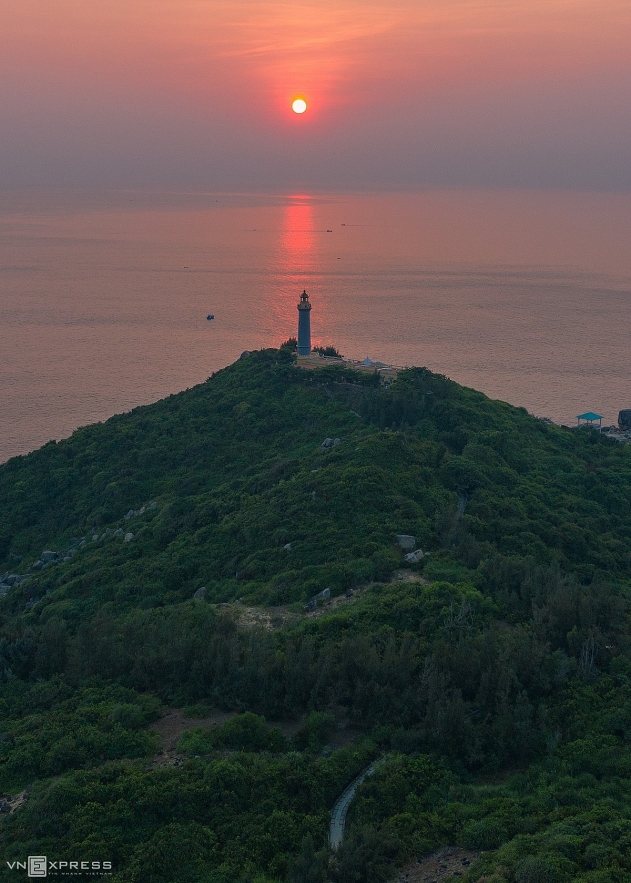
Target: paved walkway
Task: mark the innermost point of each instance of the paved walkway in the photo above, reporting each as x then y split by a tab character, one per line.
338	813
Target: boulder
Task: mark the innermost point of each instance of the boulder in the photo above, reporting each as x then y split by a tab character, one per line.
95	538
130	514
244	354
414	557
624	420
287	547
200	593
128	537
119	532
48	556
327	443
337	441
153	505
406	541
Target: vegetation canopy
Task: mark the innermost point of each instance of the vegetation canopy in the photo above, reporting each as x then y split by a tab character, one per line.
343	571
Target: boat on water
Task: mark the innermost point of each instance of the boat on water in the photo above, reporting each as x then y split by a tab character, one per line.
210	316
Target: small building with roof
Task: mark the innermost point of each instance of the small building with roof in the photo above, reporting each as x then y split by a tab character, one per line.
590	419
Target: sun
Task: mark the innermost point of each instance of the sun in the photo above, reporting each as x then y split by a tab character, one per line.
299	105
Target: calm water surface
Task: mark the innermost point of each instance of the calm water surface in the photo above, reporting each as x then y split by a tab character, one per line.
103	297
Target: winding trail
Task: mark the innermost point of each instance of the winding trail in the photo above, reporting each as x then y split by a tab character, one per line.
341	805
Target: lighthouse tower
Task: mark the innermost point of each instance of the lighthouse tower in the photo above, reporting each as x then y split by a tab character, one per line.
304	325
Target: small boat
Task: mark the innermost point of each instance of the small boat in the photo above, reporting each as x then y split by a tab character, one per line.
210	316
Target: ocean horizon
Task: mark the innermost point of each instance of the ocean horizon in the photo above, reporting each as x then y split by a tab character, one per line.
523	295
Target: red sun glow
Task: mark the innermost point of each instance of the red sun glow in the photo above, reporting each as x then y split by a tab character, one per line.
298	105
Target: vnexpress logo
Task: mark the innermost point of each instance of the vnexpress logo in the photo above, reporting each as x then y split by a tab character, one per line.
42	866
37	866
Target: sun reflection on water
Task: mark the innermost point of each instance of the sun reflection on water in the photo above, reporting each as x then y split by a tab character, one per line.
296	266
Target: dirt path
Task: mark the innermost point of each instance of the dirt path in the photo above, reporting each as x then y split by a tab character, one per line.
450	861
173	724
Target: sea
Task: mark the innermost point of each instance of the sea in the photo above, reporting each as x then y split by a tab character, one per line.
104	296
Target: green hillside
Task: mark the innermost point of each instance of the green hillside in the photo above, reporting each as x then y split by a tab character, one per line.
492	673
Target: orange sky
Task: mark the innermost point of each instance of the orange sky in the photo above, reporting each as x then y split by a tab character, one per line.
198	92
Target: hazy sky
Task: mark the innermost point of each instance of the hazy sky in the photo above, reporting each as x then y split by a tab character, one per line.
197	93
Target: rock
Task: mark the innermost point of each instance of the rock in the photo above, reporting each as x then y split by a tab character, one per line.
67	558
72	552
48	556
38	565
82	544
312	603
244	354
141	510
104	536
119	532
130	514
327	443
95	538
287	547
337	441
128	537
413	557
12	579
153	505
406	541
624	420
200	593
313	495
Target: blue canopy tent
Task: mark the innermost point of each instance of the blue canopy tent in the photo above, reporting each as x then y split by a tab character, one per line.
589	419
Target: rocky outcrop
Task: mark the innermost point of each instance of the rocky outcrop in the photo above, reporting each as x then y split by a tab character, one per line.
133	512
624	420
331	442
312	603
414	557
8	580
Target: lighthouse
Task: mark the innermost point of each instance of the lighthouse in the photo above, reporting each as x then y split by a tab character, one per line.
304	325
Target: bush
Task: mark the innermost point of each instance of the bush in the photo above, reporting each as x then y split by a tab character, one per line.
536	869
314	731
243	732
